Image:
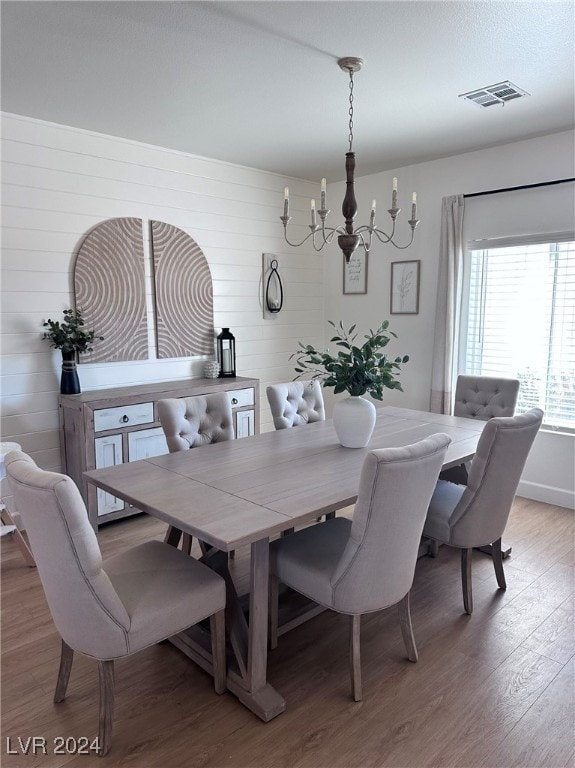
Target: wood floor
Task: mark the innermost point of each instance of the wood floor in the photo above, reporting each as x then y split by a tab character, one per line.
493	690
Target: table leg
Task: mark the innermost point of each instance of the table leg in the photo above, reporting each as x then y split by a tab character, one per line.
248	640
258	695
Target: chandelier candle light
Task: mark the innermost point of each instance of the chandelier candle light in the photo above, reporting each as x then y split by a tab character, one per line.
348	237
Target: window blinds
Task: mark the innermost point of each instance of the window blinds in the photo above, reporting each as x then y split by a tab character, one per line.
521	321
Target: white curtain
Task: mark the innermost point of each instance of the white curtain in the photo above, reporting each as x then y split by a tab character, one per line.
449	289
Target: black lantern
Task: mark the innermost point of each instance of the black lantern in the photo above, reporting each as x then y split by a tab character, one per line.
227	353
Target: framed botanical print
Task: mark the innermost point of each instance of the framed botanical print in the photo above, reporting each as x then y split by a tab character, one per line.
355	273
405	287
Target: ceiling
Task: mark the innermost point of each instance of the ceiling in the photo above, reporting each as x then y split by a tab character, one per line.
257	83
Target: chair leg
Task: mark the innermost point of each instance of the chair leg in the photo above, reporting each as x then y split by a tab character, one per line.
406	628
218	632
355	657
187	543
433	548
466	555
66	659
173	536
7	519
498	564
106	675
273	610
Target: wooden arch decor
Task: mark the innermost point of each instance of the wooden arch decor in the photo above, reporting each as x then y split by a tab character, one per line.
183	294
109	286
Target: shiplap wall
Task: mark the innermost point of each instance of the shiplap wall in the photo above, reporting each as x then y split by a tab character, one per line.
58	182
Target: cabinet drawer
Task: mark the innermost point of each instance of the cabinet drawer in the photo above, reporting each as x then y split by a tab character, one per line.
240	397
123	416
145	443
108	452
245	424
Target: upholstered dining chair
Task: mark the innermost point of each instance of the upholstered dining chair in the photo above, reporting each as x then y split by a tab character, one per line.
481	397
295	403
189	422
474	515
366	564
113	608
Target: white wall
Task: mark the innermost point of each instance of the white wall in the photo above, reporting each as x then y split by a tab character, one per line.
58	182
550	470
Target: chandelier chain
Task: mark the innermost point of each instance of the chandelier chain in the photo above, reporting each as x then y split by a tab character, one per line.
350	109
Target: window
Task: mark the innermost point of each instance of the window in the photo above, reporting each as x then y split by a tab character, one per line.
521	320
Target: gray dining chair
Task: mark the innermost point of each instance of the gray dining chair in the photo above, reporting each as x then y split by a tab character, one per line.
295	403
189	422
109	609
366	564
481	397
474	515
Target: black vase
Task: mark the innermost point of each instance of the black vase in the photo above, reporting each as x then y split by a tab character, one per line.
69	382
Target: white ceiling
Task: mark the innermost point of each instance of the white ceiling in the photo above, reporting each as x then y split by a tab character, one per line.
257	83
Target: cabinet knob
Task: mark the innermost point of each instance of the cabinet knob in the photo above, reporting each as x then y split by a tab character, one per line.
125	419
234	400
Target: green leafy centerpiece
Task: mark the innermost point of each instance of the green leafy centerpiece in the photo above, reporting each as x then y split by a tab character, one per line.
356	369
71	338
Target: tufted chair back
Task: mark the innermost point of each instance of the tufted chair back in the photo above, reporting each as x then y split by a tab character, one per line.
484	397
192	421
295	403
86	608
481	515
377	565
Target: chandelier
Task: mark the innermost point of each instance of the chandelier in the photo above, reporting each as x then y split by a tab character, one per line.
348	237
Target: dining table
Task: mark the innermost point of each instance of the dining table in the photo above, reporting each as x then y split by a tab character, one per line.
246	492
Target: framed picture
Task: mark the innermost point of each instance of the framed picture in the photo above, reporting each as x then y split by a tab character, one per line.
355	273
405	287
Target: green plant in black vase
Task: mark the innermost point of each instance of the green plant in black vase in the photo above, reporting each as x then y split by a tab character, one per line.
70	335
71	338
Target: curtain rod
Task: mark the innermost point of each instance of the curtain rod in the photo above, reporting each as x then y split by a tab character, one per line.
515	189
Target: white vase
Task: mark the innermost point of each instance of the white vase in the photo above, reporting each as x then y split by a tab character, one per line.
354	420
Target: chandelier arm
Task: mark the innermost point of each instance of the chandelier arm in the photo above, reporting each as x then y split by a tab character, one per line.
331	233
315	247
382	236
296	245
403	247
366	243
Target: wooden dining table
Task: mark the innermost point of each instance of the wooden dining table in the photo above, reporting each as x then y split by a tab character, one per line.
244	492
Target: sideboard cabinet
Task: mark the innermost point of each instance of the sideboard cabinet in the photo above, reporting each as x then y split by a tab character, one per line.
112	426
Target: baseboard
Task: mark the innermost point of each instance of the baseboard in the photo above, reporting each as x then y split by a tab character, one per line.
549	494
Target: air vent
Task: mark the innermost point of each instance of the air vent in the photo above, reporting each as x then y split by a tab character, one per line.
494	94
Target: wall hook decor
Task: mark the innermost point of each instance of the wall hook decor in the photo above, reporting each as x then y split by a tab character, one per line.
273	292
